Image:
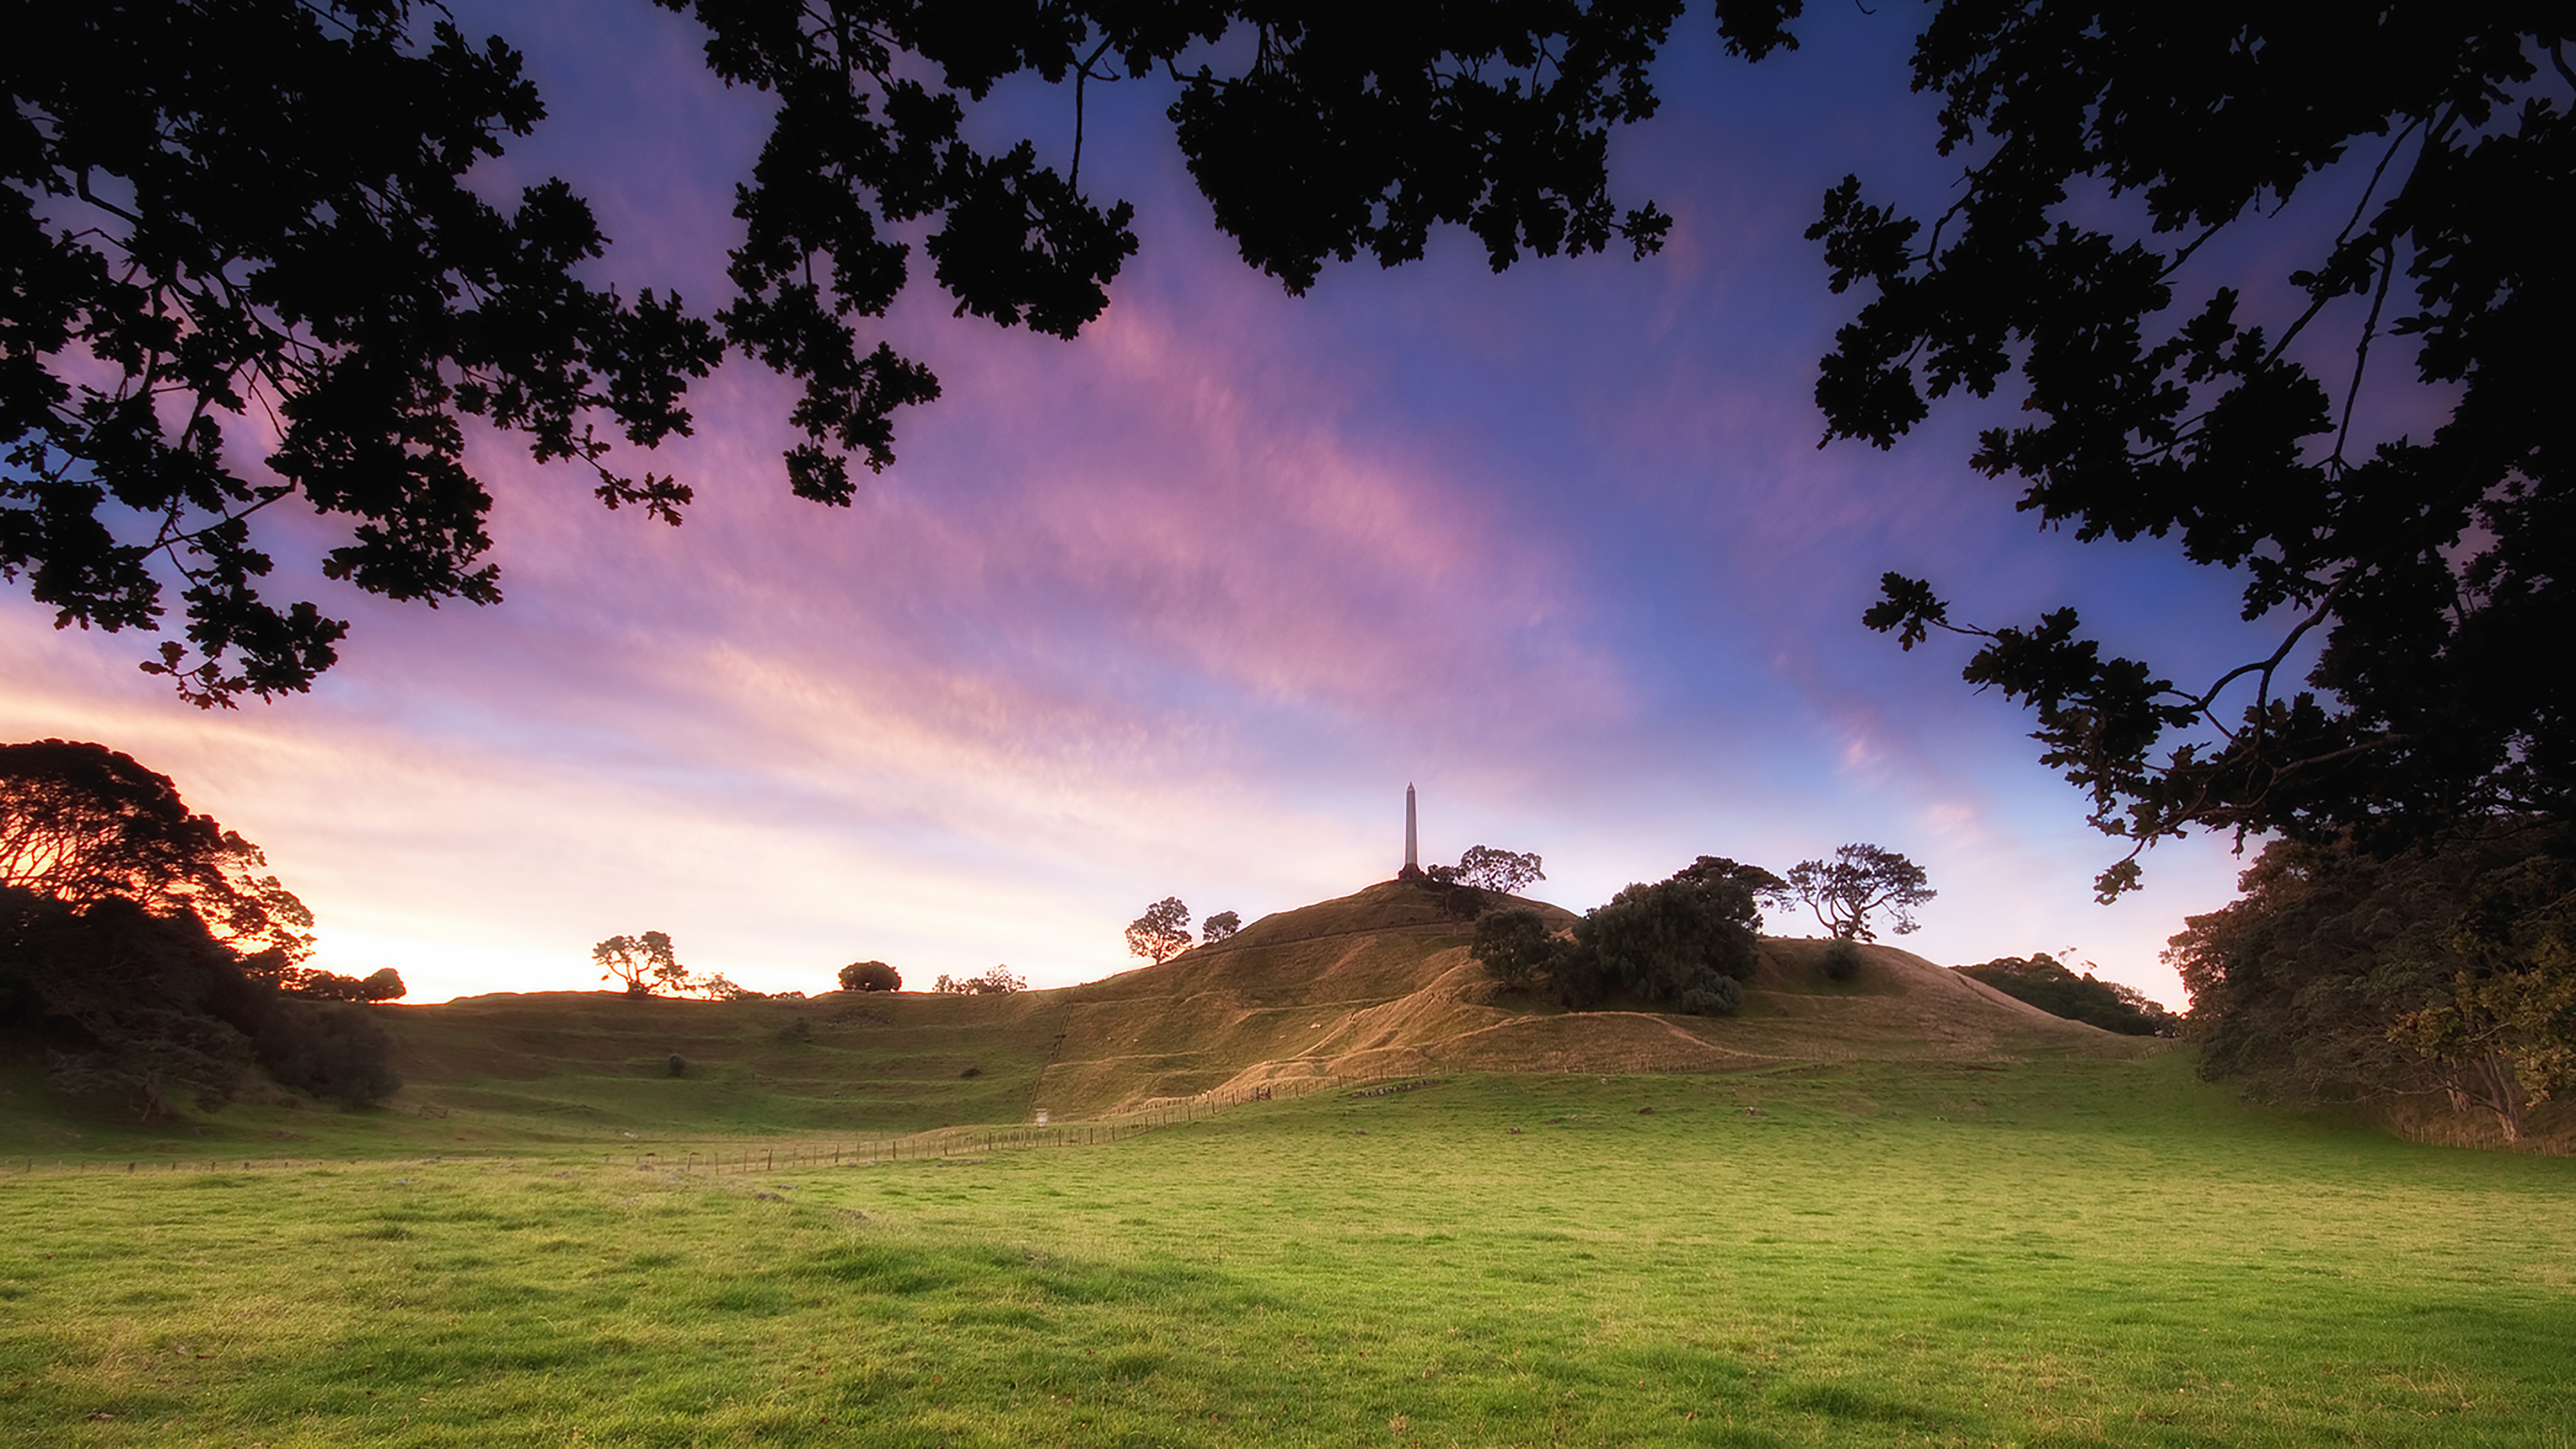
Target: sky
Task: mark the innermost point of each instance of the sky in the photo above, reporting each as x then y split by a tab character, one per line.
1179	608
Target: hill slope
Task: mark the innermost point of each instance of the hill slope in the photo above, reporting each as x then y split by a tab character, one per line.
1373	984
1378	983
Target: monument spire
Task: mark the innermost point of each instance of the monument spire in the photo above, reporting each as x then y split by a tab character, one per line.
1412	844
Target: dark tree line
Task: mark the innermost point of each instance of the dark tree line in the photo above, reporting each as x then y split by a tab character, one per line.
143	947
2446	971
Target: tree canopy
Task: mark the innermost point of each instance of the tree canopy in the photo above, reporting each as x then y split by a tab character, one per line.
1488	869
1162	933
2411	164
140	942
1686	942
246	223
2445	971
870	976
2047	983
1860	881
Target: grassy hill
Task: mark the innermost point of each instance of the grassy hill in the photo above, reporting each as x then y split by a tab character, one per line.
1377	983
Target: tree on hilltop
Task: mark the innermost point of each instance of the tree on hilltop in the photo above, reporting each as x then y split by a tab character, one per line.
1859	880
1486	868
649	967
870	976
1162	933
1219	926
645	963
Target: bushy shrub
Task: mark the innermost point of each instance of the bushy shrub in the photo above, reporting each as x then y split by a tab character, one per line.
870	976
1713	996
331	1050
1842	959
1516	948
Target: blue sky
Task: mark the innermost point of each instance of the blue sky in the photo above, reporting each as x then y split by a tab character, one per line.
1181	607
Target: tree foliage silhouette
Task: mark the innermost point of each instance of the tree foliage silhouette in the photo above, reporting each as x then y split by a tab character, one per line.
1162	933
1860	881
146	948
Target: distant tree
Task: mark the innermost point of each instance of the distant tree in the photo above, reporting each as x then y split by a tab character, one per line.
1486	868
1162	933
1219	926
1859	879
870	976
384	985
1516	948
1000	981
948	985
645	963
2045	982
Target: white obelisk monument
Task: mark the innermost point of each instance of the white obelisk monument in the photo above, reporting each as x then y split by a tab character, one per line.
1412	843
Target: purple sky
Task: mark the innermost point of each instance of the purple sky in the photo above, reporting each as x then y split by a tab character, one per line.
1181	607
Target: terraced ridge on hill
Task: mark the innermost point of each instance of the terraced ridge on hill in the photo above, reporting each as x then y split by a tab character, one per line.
1379	983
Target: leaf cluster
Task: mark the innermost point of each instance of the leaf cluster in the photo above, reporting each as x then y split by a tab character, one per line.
246	226
999	981
870	976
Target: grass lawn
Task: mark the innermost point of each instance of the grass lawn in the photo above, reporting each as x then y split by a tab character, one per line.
2053	1253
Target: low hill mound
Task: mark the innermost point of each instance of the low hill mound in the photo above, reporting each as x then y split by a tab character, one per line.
1380	983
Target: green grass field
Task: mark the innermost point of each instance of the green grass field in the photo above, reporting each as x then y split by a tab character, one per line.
2050	1253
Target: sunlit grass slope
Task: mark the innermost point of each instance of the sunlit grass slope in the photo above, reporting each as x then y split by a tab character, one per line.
2052	1252
1378	983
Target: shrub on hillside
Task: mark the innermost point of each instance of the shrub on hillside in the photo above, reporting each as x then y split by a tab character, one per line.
1516	948
1842	959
